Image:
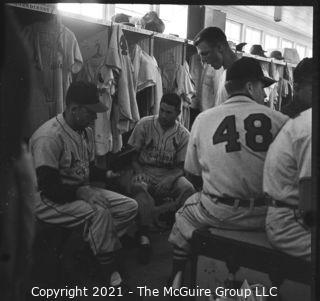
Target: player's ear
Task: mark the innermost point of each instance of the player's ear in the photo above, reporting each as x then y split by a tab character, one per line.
249	87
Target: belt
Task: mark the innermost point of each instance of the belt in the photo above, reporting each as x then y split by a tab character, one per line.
280	204
242	203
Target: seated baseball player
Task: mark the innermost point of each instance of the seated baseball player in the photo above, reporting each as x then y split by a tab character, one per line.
226	150
287	174
160	143
63	153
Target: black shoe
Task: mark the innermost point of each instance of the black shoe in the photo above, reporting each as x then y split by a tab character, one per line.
144	253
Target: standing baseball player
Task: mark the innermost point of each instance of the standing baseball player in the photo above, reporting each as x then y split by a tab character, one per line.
63	153
226	150
214	49
161	144
287	173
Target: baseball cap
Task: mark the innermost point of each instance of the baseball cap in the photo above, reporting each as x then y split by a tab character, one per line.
85	94
248	68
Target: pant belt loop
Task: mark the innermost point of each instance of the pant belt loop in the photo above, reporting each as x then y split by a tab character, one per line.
236	204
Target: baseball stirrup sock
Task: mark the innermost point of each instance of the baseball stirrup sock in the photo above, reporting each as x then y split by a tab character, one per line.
106	259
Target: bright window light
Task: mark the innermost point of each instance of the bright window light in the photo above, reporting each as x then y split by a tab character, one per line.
91	10
233	31
301	51
253	36
175	18
134	10
287	44
270	42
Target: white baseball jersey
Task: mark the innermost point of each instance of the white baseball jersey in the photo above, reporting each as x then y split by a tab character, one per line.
57	145
159	148
228	145
289	160
56	56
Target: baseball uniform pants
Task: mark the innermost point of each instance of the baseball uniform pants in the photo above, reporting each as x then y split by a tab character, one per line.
287	232
181	190
103	225
193	215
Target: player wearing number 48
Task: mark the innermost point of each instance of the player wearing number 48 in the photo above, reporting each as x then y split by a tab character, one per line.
227	150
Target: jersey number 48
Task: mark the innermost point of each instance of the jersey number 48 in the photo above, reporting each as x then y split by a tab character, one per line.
258	138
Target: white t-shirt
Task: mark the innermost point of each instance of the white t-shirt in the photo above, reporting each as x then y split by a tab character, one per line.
289	160
228	145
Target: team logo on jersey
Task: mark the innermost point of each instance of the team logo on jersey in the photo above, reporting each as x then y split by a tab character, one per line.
78	168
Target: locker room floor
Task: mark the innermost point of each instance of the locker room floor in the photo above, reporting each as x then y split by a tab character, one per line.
83	272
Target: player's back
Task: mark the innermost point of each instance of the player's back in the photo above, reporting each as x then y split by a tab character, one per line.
231	142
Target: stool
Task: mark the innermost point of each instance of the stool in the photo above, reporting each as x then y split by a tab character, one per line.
251	250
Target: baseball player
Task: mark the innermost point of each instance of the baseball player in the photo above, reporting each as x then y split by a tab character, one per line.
161	145
287	173
226	150
213	48
63	153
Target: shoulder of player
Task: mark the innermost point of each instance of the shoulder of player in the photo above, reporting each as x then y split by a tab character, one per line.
181	129
50	130
147	119
299	126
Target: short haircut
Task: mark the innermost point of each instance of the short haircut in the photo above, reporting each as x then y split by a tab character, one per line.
304	71
172	99
237	85
81	93
211	35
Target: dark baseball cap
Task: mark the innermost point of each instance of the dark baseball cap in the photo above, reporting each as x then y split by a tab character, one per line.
248	68
85	94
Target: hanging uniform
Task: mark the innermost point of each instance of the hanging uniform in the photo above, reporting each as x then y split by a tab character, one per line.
125	111
94	70
56	56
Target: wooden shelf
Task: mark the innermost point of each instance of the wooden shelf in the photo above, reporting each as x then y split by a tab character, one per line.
51	9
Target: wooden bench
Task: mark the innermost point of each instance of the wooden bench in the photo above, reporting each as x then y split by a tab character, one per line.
251	250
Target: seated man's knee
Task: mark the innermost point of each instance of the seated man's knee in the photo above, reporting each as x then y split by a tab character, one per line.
132	206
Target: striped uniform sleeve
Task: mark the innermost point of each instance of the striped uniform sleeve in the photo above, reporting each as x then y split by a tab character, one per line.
182	148
192	164
46	151
138	135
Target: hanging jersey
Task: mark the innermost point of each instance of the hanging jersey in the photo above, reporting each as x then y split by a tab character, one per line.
118	58
289	160
228	145
56	56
